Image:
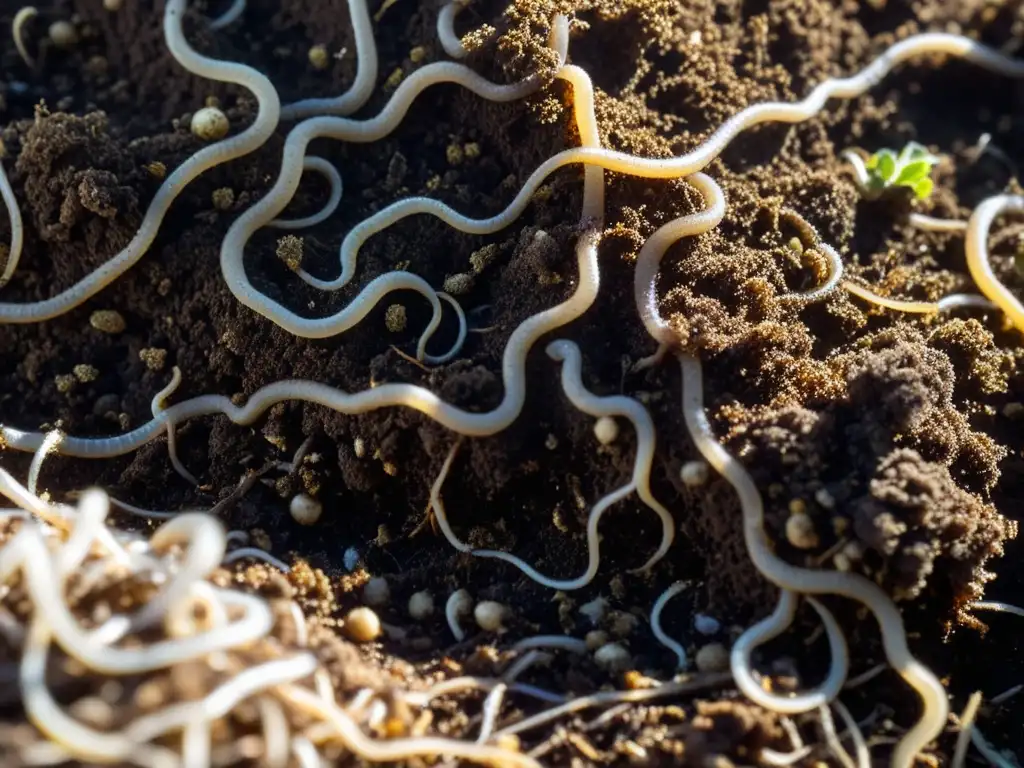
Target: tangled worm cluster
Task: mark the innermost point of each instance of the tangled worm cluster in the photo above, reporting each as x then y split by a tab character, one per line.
198	620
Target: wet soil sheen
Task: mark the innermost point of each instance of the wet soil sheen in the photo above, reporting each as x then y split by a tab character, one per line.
899	435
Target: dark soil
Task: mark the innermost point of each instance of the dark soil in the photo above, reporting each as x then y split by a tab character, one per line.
892	431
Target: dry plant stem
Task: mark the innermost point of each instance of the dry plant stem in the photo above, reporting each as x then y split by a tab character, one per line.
802	580
976	246
17	229
221	152
366	73
618	405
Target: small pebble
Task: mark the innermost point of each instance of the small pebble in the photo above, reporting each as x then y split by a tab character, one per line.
377	592
595	610
489	615
800	531
713	657
612	657
362	625
421	606
824	498
706	625
210	124
350	559
606	429
305	509
319	57
694	473
107	321
63	34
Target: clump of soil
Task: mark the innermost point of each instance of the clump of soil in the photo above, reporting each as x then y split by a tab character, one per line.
896	435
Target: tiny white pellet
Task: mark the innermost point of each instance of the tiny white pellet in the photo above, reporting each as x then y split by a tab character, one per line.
612	657
210	124
694	473
63	34
595	610
421	606
489	615
305	509
606	429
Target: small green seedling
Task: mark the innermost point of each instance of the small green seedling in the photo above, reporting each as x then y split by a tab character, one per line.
911	168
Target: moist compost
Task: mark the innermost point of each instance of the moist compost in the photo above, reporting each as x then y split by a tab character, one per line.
898	434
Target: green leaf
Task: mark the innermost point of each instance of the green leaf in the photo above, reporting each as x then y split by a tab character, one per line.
923	188
912	173
886	164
